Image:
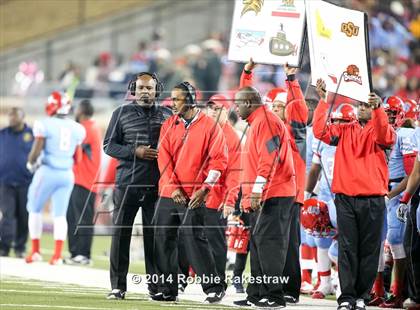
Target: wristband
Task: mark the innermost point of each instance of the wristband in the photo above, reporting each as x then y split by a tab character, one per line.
259	185
247	71
212	177
406	197
291	77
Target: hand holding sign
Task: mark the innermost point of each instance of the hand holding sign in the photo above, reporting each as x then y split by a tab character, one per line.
320	89
250	65
374	101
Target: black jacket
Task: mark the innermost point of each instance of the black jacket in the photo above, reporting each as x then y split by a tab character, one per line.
131	126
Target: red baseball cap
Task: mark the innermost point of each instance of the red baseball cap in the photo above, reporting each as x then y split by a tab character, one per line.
220	100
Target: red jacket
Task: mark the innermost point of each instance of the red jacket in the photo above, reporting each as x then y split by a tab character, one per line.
186	155
227	188
267	153
360	167
296	119
86	171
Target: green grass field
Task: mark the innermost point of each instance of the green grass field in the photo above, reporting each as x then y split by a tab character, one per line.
16	293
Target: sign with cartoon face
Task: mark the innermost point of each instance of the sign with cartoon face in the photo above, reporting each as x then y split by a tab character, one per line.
271	32
339	49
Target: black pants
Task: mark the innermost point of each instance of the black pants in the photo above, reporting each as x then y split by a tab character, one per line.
292	267
215	231
270	230
240	260
183	263
127	202
14	220
171	219
412	249
360	221
80	212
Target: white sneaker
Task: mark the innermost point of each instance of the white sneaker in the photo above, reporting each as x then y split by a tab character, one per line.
360	305
33	257
306	288
323	290
409	303
214	298
55	261
78	260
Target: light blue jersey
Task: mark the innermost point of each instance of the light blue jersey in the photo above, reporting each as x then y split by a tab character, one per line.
404	145
54	179
325	155
61	139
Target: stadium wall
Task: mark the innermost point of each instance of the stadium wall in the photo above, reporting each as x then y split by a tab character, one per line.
182	21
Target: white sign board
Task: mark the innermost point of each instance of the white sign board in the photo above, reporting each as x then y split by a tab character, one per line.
339	48
269	31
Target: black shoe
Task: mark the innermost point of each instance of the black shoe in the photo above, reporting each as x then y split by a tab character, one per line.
163	297
213	298
239	288
269	304
345	305
116	294
290	299
243	303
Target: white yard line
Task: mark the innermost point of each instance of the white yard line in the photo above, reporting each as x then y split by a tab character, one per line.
55	292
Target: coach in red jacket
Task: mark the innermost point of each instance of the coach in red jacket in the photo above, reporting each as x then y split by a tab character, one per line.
268	190
192	157
222	198
289	104
360	183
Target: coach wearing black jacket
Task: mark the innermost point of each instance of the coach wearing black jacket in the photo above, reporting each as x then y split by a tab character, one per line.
132	137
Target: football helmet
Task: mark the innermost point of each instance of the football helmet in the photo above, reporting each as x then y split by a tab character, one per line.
394	107
57	103
345	112
411	109
315	219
